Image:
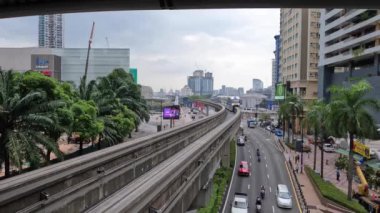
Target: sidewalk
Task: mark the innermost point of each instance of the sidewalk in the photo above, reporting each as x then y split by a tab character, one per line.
313	202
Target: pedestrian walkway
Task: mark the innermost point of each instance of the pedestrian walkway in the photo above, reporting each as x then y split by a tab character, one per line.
311	197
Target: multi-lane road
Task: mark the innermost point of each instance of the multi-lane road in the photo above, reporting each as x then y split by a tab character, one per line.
270	172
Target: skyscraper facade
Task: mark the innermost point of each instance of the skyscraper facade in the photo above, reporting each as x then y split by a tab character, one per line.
350	50
201	84
276	65
50	31
257	85
299	33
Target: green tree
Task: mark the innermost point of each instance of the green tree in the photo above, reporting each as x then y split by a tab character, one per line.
25	117
33	81
284	114
350	112
295	105
86	123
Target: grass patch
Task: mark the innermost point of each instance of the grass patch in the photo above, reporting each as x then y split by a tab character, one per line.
332	193
221	179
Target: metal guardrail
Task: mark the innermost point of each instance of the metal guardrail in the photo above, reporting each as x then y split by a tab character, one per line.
301	197
83	181
169	186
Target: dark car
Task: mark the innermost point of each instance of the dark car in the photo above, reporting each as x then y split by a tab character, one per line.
240	141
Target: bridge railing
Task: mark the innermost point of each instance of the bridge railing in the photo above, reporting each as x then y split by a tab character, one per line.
77	184
173	185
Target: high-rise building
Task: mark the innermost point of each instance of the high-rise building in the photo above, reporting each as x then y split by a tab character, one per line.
350	49
241	91
257	85
186	91
201	84
273	78
299	33
146	92
50	31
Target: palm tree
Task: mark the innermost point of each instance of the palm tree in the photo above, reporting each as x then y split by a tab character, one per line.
313	120
24	120
350	110
296	109
284	113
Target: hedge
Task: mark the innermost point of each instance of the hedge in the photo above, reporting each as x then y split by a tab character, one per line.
331	192
221	179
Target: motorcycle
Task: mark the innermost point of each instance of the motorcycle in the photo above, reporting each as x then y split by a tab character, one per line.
262	193
258	207
258	159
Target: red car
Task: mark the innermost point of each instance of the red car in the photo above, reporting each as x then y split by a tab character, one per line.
243	168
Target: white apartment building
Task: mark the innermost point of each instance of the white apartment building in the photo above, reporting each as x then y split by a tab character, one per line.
299	32
50	31
350	49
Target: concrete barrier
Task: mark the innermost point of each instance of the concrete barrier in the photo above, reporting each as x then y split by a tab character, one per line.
173	185
77	184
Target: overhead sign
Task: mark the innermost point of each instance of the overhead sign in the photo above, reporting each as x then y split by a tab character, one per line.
361	149
279	92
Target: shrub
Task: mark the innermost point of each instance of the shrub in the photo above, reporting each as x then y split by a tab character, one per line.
332	193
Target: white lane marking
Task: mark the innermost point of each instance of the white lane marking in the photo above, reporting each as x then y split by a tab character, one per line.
249	186
267	139
250	174
270	189
249	150
273	208
266	165
268	176
250	157
250	163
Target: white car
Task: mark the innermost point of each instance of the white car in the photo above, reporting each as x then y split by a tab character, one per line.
283	197
240	203
328	148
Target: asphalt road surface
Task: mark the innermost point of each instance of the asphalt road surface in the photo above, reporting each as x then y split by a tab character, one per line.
269	172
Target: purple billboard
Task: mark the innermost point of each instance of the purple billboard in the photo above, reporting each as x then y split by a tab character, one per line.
171	112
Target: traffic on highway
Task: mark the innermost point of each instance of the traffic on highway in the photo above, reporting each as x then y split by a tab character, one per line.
261	181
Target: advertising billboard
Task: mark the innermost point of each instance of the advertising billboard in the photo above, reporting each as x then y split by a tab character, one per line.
279	92
171	112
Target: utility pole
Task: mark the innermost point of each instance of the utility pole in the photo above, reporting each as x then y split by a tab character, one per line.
88	51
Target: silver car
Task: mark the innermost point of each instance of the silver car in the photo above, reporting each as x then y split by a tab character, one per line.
284	199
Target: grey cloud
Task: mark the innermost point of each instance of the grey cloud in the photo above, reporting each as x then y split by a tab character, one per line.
166	46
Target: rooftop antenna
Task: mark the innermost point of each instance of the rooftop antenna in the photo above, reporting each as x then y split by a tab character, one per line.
108	43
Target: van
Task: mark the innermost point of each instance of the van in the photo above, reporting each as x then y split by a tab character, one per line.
283	197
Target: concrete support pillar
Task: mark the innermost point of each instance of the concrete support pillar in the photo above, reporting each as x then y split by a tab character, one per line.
207	110
325	75
377	64
350	68
203	197
226	154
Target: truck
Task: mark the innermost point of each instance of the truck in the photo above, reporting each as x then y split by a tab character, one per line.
240	203
251	123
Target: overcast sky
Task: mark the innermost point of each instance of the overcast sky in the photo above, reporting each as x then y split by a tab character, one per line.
167	46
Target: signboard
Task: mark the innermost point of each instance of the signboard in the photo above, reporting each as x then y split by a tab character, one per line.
361	149
133	72
171	112
42	63
279	92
